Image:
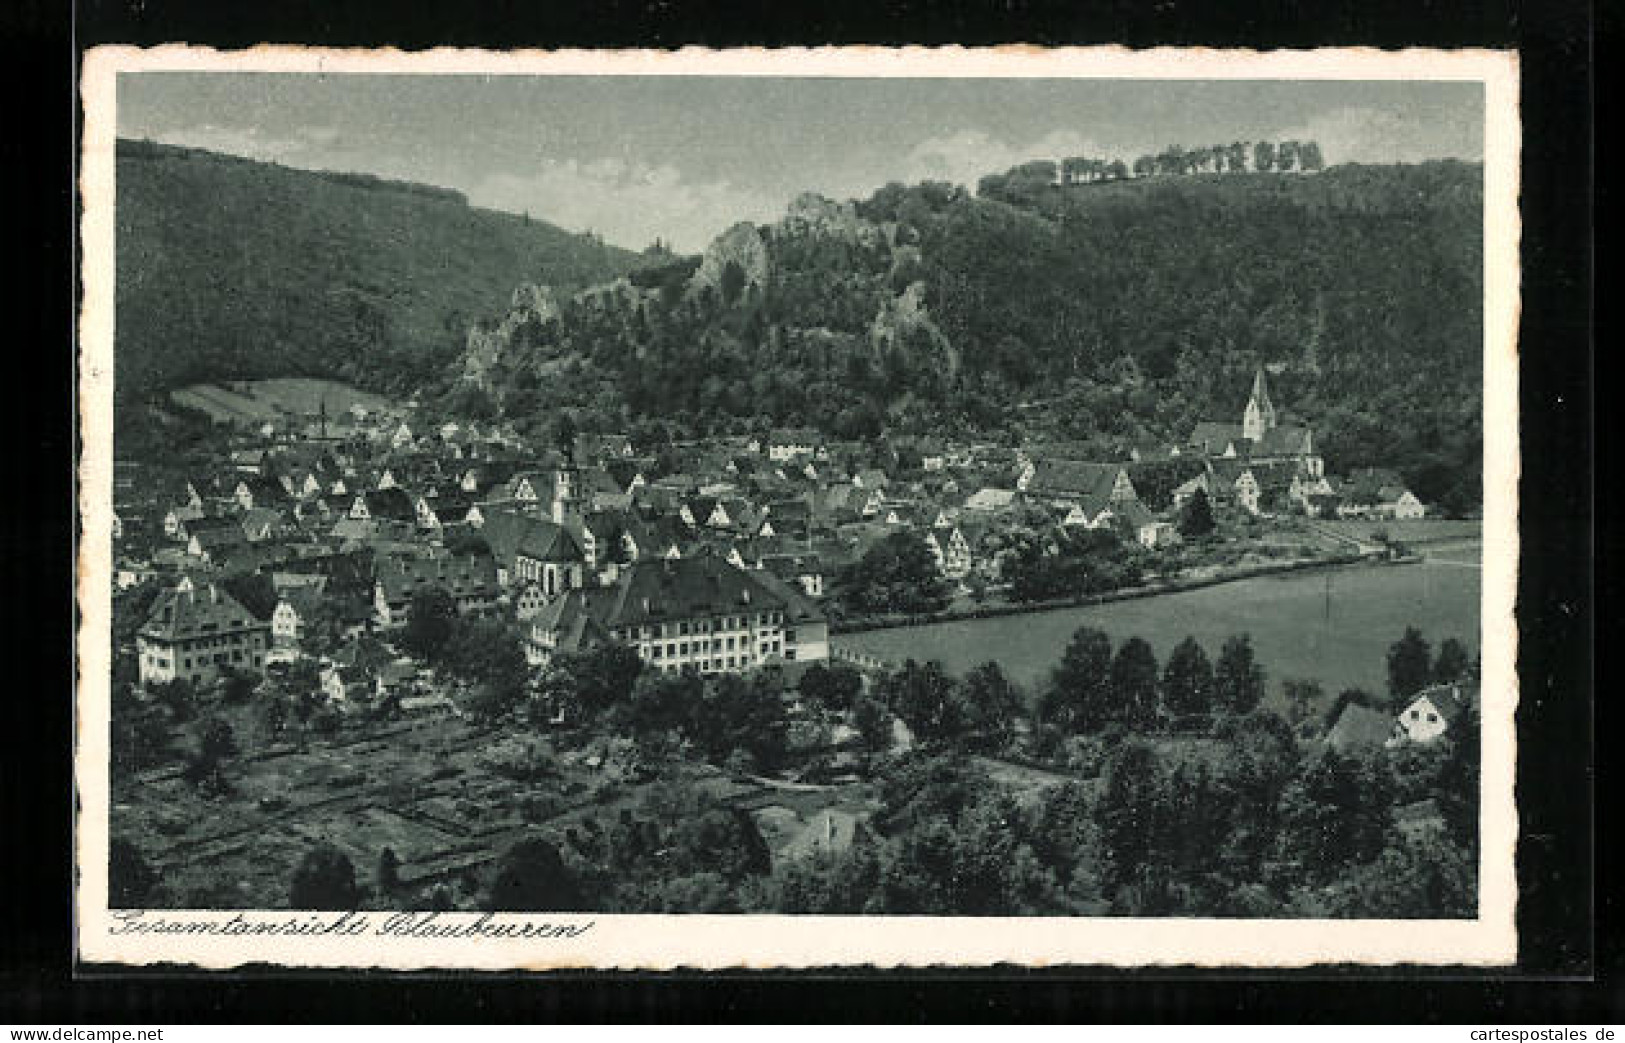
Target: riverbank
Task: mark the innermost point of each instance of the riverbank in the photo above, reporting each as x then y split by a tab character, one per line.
1173	585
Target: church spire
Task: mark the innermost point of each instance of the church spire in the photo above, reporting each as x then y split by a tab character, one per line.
1259	416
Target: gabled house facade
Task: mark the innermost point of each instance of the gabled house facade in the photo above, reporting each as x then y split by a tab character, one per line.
194	631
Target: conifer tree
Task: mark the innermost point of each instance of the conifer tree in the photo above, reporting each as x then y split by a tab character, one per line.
1187	680
1134	684
1409	664
1238	680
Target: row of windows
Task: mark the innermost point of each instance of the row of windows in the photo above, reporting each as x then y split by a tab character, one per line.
162	660
223	640
684	628
676	649
706	666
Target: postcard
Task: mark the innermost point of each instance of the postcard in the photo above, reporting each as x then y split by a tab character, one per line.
842	507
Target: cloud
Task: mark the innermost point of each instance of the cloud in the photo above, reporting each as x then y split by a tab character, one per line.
290	149
628	203
1371	135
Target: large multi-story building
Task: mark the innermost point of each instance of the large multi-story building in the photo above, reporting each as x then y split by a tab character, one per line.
700	612
196	629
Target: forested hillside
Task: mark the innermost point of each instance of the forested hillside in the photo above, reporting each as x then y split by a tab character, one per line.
232	269
1108	310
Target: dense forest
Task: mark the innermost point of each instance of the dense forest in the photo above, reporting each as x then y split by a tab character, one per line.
1061	300
1110	310
232	269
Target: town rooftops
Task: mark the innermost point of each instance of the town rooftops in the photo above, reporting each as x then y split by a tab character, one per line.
1213	437
1073	478
402	578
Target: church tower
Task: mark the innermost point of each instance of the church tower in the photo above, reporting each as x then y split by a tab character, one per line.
566	508
1259	416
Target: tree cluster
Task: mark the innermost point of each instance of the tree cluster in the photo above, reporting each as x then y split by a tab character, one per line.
1093	687
1021	183
485	653
896	575
1067	561
1246	826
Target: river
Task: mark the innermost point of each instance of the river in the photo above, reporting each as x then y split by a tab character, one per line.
1332	626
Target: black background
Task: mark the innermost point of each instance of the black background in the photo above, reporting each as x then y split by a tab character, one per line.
1569	955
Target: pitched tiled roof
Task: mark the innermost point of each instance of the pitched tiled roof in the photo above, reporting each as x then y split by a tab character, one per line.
265	490
1451	700
788	509
510	534
790	566
1073	478
390	503
654	536
573	619
193	611
303	600
217	538
402	578
1284	440
1213	437
605	525
1359	727
622	471
990	499
704	585
1134	512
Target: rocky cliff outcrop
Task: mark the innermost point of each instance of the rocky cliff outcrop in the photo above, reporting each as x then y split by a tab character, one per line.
812	214
740	246
487	344
905	323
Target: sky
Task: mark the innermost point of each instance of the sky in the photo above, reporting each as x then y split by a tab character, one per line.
681	158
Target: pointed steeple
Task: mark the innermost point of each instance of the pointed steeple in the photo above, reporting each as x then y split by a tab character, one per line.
1259	416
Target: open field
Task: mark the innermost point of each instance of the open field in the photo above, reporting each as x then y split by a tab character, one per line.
1418	532
256	401
1370	607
